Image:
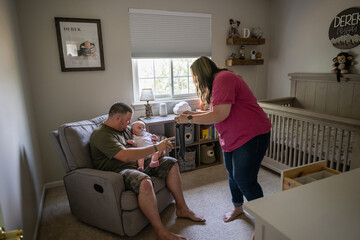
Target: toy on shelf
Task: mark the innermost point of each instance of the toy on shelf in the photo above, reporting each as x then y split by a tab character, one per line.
242	52
234	32
342	62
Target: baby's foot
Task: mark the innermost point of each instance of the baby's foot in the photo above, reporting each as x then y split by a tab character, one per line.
141	168
154	164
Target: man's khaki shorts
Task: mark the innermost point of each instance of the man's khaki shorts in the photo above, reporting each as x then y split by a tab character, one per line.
133	177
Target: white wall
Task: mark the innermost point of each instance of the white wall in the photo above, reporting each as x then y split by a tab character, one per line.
20	166
299	40
64	97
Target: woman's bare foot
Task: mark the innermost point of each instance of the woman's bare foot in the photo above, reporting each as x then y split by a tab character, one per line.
187	213
253	236
229	216
167	235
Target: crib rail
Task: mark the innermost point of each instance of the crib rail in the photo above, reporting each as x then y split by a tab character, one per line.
300	137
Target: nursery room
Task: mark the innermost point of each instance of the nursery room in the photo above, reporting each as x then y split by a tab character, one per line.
64	65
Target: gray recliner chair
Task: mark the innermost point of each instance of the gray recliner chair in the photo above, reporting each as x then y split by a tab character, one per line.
97	197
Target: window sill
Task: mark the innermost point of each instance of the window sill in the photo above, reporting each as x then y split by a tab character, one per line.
170	103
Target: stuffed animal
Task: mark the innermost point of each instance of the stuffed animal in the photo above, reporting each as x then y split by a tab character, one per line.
233	32
342	62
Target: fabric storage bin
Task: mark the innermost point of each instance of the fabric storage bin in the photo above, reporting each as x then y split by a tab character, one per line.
189	134
189	163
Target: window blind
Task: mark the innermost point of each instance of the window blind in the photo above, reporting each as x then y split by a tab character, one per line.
164	34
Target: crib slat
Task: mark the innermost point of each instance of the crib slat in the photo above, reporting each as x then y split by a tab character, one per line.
333	149
311	129
328	130
305	144
291	143
274	137
287	141
322	143
316	143
271	136
301	142
268	149
277	138
296	142
346	150
282	140
339	150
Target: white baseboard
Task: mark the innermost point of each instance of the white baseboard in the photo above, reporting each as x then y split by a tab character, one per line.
54	184
41	206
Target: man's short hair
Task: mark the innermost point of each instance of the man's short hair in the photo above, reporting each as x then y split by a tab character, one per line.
120	108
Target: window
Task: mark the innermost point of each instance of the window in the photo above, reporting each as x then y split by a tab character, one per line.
169	78
163	46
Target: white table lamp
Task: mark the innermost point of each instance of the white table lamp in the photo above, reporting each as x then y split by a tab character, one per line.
147	95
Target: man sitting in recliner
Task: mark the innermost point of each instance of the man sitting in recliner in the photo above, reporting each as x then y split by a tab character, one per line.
111	152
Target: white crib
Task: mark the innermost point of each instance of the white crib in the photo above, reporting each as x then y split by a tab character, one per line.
319	121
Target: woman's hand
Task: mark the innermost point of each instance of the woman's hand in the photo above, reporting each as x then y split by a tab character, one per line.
181	119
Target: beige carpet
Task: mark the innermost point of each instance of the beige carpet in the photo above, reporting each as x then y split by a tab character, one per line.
206	192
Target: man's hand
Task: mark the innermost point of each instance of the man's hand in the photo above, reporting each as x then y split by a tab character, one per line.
165	145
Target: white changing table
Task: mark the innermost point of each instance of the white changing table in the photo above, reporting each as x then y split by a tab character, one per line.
324	209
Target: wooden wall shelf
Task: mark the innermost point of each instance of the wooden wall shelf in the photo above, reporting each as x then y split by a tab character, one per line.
236	62
245	41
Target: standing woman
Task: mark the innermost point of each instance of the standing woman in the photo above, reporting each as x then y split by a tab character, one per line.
244	129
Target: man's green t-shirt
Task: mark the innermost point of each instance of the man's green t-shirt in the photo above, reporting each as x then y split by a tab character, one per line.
105	143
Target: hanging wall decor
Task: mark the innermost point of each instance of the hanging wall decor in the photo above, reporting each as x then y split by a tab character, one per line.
80	44
344	31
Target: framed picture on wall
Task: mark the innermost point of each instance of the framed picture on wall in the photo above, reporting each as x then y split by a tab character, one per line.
80	44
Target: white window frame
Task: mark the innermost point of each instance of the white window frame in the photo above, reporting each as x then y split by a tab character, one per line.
158	97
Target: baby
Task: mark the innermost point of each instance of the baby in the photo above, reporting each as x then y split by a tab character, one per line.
143	139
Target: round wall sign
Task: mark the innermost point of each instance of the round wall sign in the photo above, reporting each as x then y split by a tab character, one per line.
344	31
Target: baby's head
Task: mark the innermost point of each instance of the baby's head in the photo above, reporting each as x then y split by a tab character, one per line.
138	128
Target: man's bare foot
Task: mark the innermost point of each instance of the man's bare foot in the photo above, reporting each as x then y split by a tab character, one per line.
167	235
229	216
187	213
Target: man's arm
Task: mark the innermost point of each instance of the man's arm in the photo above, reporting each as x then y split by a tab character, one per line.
133	154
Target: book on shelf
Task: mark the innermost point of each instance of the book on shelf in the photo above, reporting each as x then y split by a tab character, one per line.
208	132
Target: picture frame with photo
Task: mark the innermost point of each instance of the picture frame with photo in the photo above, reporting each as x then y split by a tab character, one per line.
80	44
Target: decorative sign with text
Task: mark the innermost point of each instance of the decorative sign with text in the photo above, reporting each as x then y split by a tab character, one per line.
344	31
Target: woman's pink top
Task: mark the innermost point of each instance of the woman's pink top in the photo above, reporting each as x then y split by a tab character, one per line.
246	119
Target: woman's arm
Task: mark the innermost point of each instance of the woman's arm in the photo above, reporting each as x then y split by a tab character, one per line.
194	112
218	114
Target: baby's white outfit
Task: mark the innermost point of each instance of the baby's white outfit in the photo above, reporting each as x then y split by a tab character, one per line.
143	141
